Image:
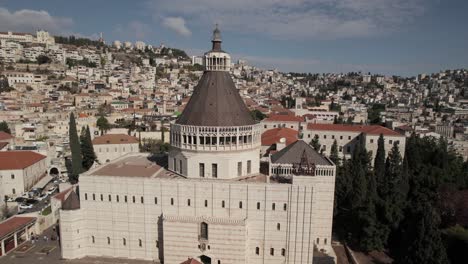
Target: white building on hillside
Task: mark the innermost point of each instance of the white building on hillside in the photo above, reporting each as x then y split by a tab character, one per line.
20	170
112	146
211	203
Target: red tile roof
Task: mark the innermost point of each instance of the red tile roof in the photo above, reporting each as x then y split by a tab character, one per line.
18	160
12	224
273	136
367	129
5	136
191	261
115	139
62	195
284	118
3	145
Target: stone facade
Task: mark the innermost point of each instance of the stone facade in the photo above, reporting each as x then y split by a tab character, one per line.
159	218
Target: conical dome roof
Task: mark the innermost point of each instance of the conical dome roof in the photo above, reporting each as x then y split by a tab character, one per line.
216	102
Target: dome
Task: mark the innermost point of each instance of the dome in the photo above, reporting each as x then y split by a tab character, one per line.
215	102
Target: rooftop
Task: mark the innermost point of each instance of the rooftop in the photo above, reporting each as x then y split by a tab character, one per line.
129	166
13	224
216	102
114	139
284	118
274	135
5	136
18	160
293	154
367	129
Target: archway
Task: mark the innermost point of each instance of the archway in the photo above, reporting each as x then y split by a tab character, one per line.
54	171
205	259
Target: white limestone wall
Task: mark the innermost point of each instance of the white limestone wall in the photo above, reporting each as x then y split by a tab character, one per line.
23	180
273	217
226	239
322	206
371	142
108	152
73	234
227	163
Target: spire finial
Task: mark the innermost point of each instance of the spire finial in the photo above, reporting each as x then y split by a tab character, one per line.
216	33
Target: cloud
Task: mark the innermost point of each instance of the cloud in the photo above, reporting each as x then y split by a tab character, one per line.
26	20
177	24
303	19
134	30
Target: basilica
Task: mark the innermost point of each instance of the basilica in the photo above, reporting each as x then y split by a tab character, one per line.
210	202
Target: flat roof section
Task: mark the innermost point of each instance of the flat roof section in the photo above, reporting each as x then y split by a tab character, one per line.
129	166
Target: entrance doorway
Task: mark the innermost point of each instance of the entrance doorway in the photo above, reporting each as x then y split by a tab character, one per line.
205	259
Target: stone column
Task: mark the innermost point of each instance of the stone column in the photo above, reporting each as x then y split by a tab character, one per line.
2	247
15	236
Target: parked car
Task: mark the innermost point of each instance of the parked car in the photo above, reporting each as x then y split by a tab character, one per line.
42	197
51	190
25	206
20	199
31	201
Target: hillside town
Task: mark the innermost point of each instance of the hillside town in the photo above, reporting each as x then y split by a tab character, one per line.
125	99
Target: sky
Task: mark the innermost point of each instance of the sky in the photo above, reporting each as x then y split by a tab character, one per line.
401	37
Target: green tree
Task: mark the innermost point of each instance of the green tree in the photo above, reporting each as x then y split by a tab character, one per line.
358	169
334	153
77	162
4	127
379	163
393	195
257	115
315	143
43	59
421	238
163	130
87	150
103	124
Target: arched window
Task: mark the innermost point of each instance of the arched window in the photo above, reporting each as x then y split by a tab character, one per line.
124	241
140	243
240	205
278	226
223	204
108	240
204	230
258	206
283	252
257	251
93	239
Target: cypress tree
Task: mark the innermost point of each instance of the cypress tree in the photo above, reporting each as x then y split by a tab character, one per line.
89	157
357	171
103	124
393	191
75	148
4	127
334	153
421	240
379	163
315	143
